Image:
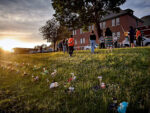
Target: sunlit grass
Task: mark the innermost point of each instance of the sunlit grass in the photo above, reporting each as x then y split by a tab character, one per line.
126	73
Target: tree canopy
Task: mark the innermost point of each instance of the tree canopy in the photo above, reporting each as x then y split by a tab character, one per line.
52	31
78	13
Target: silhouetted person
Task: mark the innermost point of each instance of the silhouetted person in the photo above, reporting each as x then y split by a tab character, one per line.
108	39
131	36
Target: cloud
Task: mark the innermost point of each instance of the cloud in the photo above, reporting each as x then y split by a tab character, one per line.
140	7
24	17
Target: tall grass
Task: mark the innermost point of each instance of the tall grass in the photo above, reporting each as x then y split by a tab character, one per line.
126	73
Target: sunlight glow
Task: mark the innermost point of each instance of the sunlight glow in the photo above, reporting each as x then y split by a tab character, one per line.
8	44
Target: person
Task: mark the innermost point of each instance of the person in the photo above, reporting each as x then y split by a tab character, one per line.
60	46
109	39
138	37
71	45
131	36
102	45
64	45
92	41
41	49
115	38
67	45
126	38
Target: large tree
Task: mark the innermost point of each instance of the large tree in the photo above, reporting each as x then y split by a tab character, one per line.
81	13
52	31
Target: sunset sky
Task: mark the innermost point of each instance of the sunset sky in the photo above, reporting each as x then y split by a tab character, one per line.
20	20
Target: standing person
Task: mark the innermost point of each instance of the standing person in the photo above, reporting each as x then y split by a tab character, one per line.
41	49
109	39
64	45
115	40
92	41
71	45
131	36
102	45
126	39
67	45
60	46
138	37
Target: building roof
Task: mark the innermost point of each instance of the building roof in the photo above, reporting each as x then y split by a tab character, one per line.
146	20
121	13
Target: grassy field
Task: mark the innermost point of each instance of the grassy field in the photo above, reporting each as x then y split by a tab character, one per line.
25	81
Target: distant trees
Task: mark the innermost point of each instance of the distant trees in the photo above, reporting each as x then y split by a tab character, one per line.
52	31
1	50
81	13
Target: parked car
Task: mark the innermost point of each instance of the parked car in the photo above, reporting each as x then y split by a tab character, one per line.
146	42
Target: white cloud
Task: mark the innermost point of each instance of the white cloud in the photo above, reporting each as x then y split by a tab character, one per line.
140	7
24	17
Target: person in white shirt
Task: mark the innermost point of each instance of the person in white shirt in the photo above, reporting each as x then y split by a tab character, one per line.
115	40
102	41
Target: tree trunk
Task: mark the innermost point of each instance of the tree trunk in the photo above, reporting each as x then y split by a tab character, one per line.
54	45
98	29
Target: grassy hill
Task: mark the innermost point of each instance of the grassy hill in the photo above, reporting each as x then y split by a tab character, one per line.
25	81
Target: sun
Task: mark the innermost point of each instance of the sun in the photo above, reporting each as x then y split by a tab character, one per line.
8	44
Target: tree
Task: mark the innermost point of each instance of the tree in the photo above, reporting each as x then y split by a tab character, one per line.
81	13
53	32
49	31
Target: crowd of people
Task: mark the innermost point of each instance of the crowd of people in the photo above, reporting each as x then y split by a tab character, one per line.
67	46
106	41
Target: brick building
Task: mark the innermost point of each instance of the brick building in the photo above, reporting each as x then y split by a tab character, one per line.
145	31
117	22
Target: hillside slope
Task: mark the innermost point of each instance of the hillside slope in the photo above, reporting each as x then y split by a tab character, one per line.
25	81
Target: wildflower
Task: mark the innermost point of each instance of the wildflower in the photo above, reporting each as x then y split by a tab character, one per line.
72	74
100	79
47	80
36	78
53	85
71	89
25	74
72	78
54	73
103	85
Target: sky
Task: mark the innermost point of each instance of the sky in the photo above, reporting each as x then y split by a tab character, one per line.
20	20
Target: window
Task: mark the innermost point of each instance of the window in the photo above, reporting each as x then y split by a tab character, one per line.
118	34
74	32
104	24
113	34
113	22
101	25
75	42
93	27
83	40
81	31
90	28
117	21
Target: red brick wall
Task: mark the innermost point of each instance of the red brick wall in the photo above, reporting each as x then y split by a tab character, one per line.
125	22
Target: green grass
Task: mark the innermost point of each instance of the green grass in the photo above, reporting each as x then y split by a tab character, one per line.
126	72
